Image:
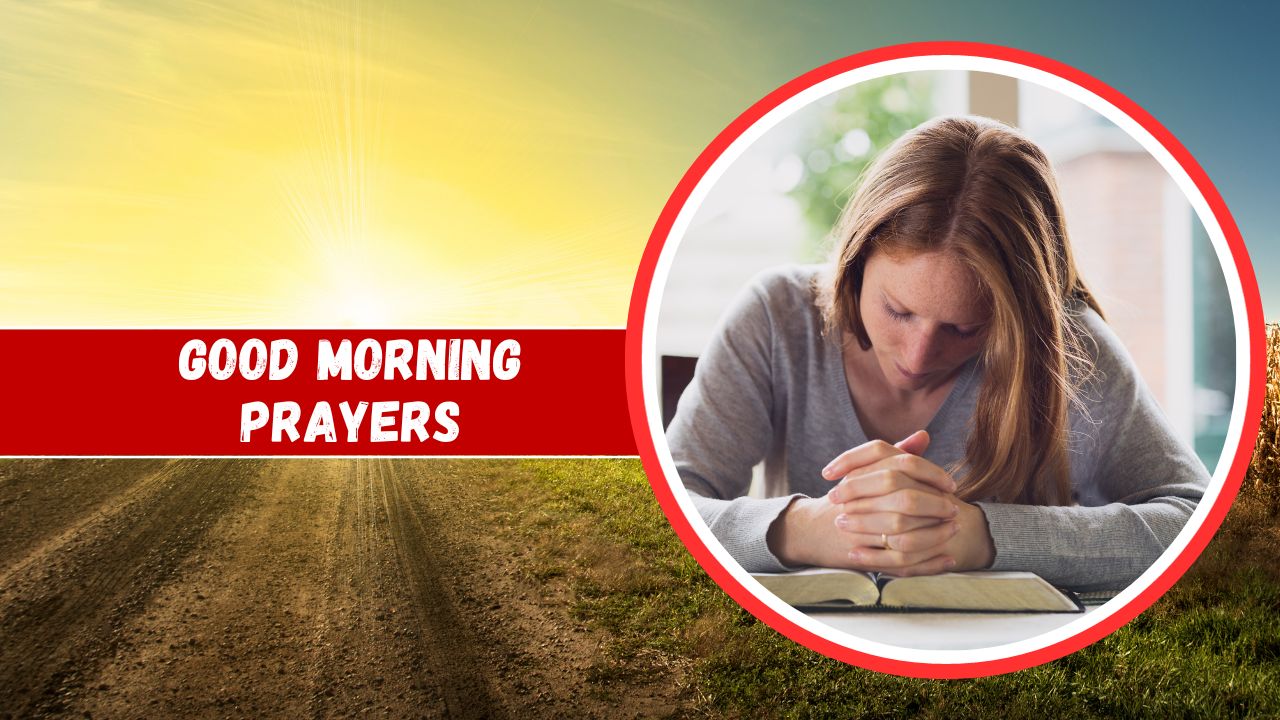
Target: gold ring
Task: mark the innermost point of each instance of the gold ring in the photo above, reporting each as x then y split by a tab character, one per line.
884	541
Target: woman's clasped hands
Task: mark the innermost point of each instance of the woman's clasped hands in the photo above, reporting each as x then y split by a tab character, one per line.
890	511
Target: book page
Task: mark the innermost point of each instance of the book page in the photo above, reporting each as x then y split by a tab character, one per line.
1015	591
819	586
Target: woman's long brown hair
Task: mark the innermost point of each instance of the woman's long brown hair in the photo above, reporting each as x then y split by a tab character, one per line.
981	190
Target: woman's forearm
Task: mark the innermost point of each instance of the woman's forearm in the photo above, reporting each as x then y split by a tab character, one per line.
1086	548
741	526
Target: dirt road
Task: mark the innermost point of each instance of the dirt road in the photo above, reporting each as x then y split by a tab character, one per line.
300	588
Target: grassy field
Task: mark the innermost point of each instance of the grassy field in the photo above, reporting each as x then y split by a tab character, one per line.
1209	648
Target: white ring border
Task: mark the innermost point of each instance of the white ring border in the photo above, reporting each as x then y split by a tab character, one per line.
932	63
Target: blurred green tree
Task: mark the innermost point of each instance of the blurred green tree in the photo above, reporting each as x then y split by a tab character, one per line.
854	125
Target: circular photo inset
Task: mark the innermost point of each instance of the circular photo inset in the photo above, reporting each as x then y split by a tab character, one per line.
941	360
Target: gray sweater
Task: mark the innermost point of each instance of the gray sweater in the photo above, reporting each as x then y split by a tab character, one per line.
772	387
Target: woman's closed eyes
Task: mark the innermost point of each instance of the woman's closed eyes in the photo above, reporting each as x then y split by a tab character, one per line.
904	316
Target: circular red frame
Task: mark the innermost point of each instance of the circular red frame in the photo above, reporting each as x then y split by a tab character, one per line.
645	442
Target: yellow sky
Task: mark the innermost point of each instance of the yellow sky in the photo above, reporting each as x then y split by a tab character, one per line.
336	163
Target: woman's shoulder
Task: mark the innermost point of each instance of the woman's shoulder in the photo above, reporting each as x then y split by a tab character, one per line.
778	305
1108	370
790	288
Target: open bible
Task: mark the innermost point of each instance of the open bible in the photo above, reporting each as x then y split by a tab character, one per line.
828	589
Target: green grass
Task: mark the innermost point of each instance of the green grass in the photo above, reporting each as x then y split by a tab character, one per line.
1209	648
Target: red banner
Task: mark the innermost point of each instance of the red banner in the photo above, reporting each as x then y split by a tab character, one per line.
313	392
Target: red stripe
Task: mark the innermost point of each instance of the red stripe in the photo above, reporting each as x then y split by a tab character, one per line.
120	392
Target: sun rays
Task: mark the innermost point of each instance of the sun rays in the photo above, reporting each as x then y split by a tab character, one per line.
306	163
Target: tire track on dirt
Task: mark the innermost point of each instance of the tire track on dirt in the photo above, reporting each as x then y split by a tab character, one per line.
465	679
241	627
497	552
389	616
61	616
374	653
41	497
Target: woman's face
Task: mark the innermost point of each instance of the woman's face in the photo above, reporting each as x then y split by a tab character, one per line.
925	314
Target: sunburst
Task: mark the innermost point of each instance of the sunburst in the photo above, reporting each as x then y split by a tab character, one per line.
305	163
